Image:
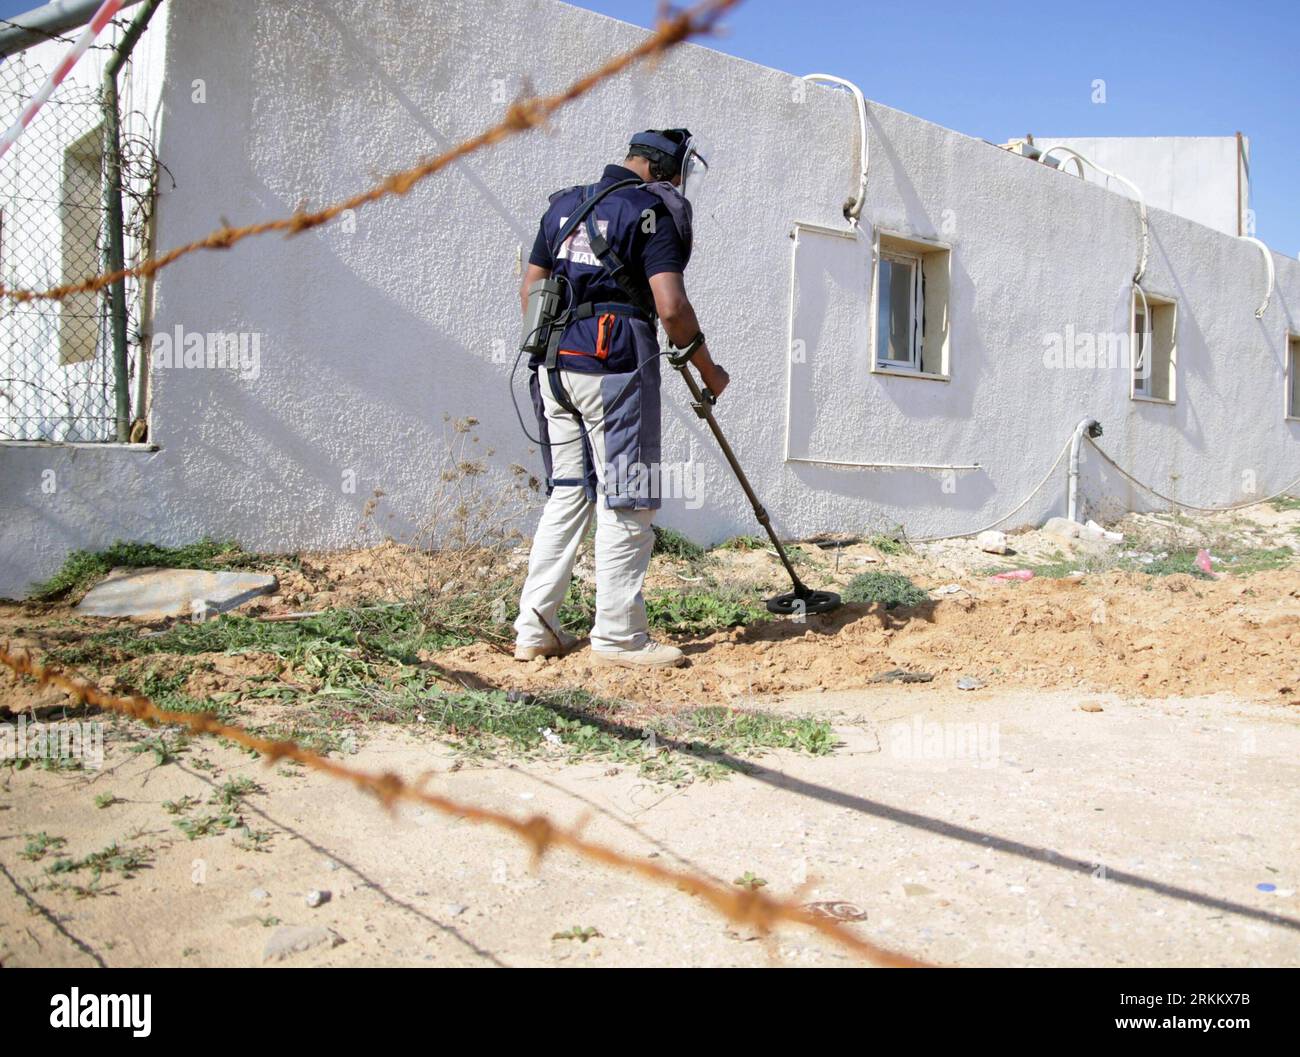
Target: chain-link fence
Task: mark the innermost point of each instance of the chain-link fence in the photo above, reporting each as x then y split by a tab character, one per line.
57	380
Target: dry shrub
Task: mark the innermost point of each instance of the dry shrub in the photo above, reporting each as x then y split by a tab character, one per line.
463	566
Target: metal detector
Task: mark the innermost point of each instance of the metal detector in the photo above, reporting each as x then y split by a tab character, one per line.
802	599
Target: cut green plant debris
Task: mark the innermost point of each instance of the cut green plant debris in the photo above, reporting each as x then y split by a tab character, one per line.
744	543
696	611
113	859
176	807
673	544
887	589
233	792
1056	567
335	643
706	742
1183	561
703	611
207	825
889	544
743	732
39	844
578	932
750	880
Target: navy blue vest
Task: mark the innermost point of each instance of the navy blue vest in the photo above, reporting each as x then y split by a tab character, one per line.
618	338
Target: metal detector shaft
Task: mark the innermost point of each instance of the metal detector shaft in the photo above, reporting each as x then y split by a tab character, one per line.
703	404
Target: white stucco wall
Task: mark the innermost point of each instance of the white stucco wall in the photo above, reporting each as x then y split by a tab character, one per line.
368	337
1193	176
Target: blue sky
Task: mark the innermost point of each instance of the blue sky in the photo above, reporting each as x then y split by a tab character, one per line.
998	70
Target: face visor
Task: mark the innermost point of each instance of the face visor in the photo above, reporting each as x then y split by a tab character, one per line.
675	152
694	172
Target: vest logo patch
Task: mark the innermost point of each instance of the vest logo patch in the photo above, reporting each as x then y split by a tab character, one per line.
577	247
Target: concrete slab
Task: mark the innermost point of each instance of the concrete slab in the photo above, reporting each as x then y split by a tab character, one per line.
153	594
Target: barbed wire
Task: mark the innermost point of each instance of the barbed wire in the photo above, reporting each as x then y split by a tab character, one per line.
117	23
751	908
523	114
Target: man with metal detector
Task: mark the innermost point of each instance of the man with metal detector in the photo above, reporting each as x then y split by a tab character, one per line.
606	267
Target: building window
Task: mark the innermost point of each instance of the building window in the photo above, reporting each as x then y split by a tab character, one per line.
1293	376
80	212
911	307
1153	339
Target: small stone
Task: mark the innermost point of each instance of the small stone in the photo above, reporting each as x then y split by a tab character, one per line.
1062	528
259	894
330	864
1091	706
992	542
968	682
455	910
1109	537
316	897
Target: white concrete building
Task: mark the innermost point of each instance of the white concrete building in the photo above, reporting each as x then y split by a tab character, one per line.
1203	178
940	405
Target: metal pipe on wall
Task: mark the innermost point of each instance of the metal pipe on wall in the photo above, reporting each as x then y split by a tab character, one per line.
115	248
1093	428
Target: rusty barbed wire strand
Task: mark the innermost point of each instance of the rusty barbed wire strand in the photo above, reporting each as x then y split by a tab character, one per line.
521	115
745	907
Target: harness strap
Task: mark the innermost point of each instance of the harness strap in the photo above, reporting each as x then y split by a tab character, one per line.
599	308
562	398
585	208
613	264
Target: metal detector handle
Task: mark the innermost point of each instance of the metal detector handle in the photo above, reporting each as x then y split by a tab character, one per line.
704	399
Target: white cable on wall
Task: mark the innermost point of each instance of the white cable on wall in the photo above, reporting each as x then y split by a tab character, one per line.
1080	161
853	211
1268	263
1286	490
939	466
1010	513
1191	506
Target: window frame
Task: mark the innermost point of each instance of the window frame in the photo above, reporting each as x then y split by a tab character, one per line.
1153	300
916	305
911	249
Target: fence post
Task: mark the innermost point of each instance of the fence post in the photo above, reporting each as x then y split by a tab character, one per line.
115	256
115	250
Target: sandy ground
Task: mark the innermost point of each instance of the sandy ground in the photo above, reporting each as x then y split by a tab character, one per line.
1122	790
1134	835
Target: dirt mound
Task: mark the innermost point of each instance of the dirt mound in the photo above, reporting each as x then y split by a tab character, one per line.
1155	636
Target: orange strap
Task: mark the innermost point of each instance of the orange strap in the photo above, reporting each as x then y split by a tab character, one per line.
604	329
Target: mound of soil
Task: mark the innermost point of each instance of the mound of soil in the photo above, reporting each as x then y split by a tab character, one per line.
1154	636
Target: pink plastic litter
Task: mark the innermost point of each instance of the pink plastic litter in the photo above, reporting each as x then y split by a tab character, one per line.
1015	574
1203	562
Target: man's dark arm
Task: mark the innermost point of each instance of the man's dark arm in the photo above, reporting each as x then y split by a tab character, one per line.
681	325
